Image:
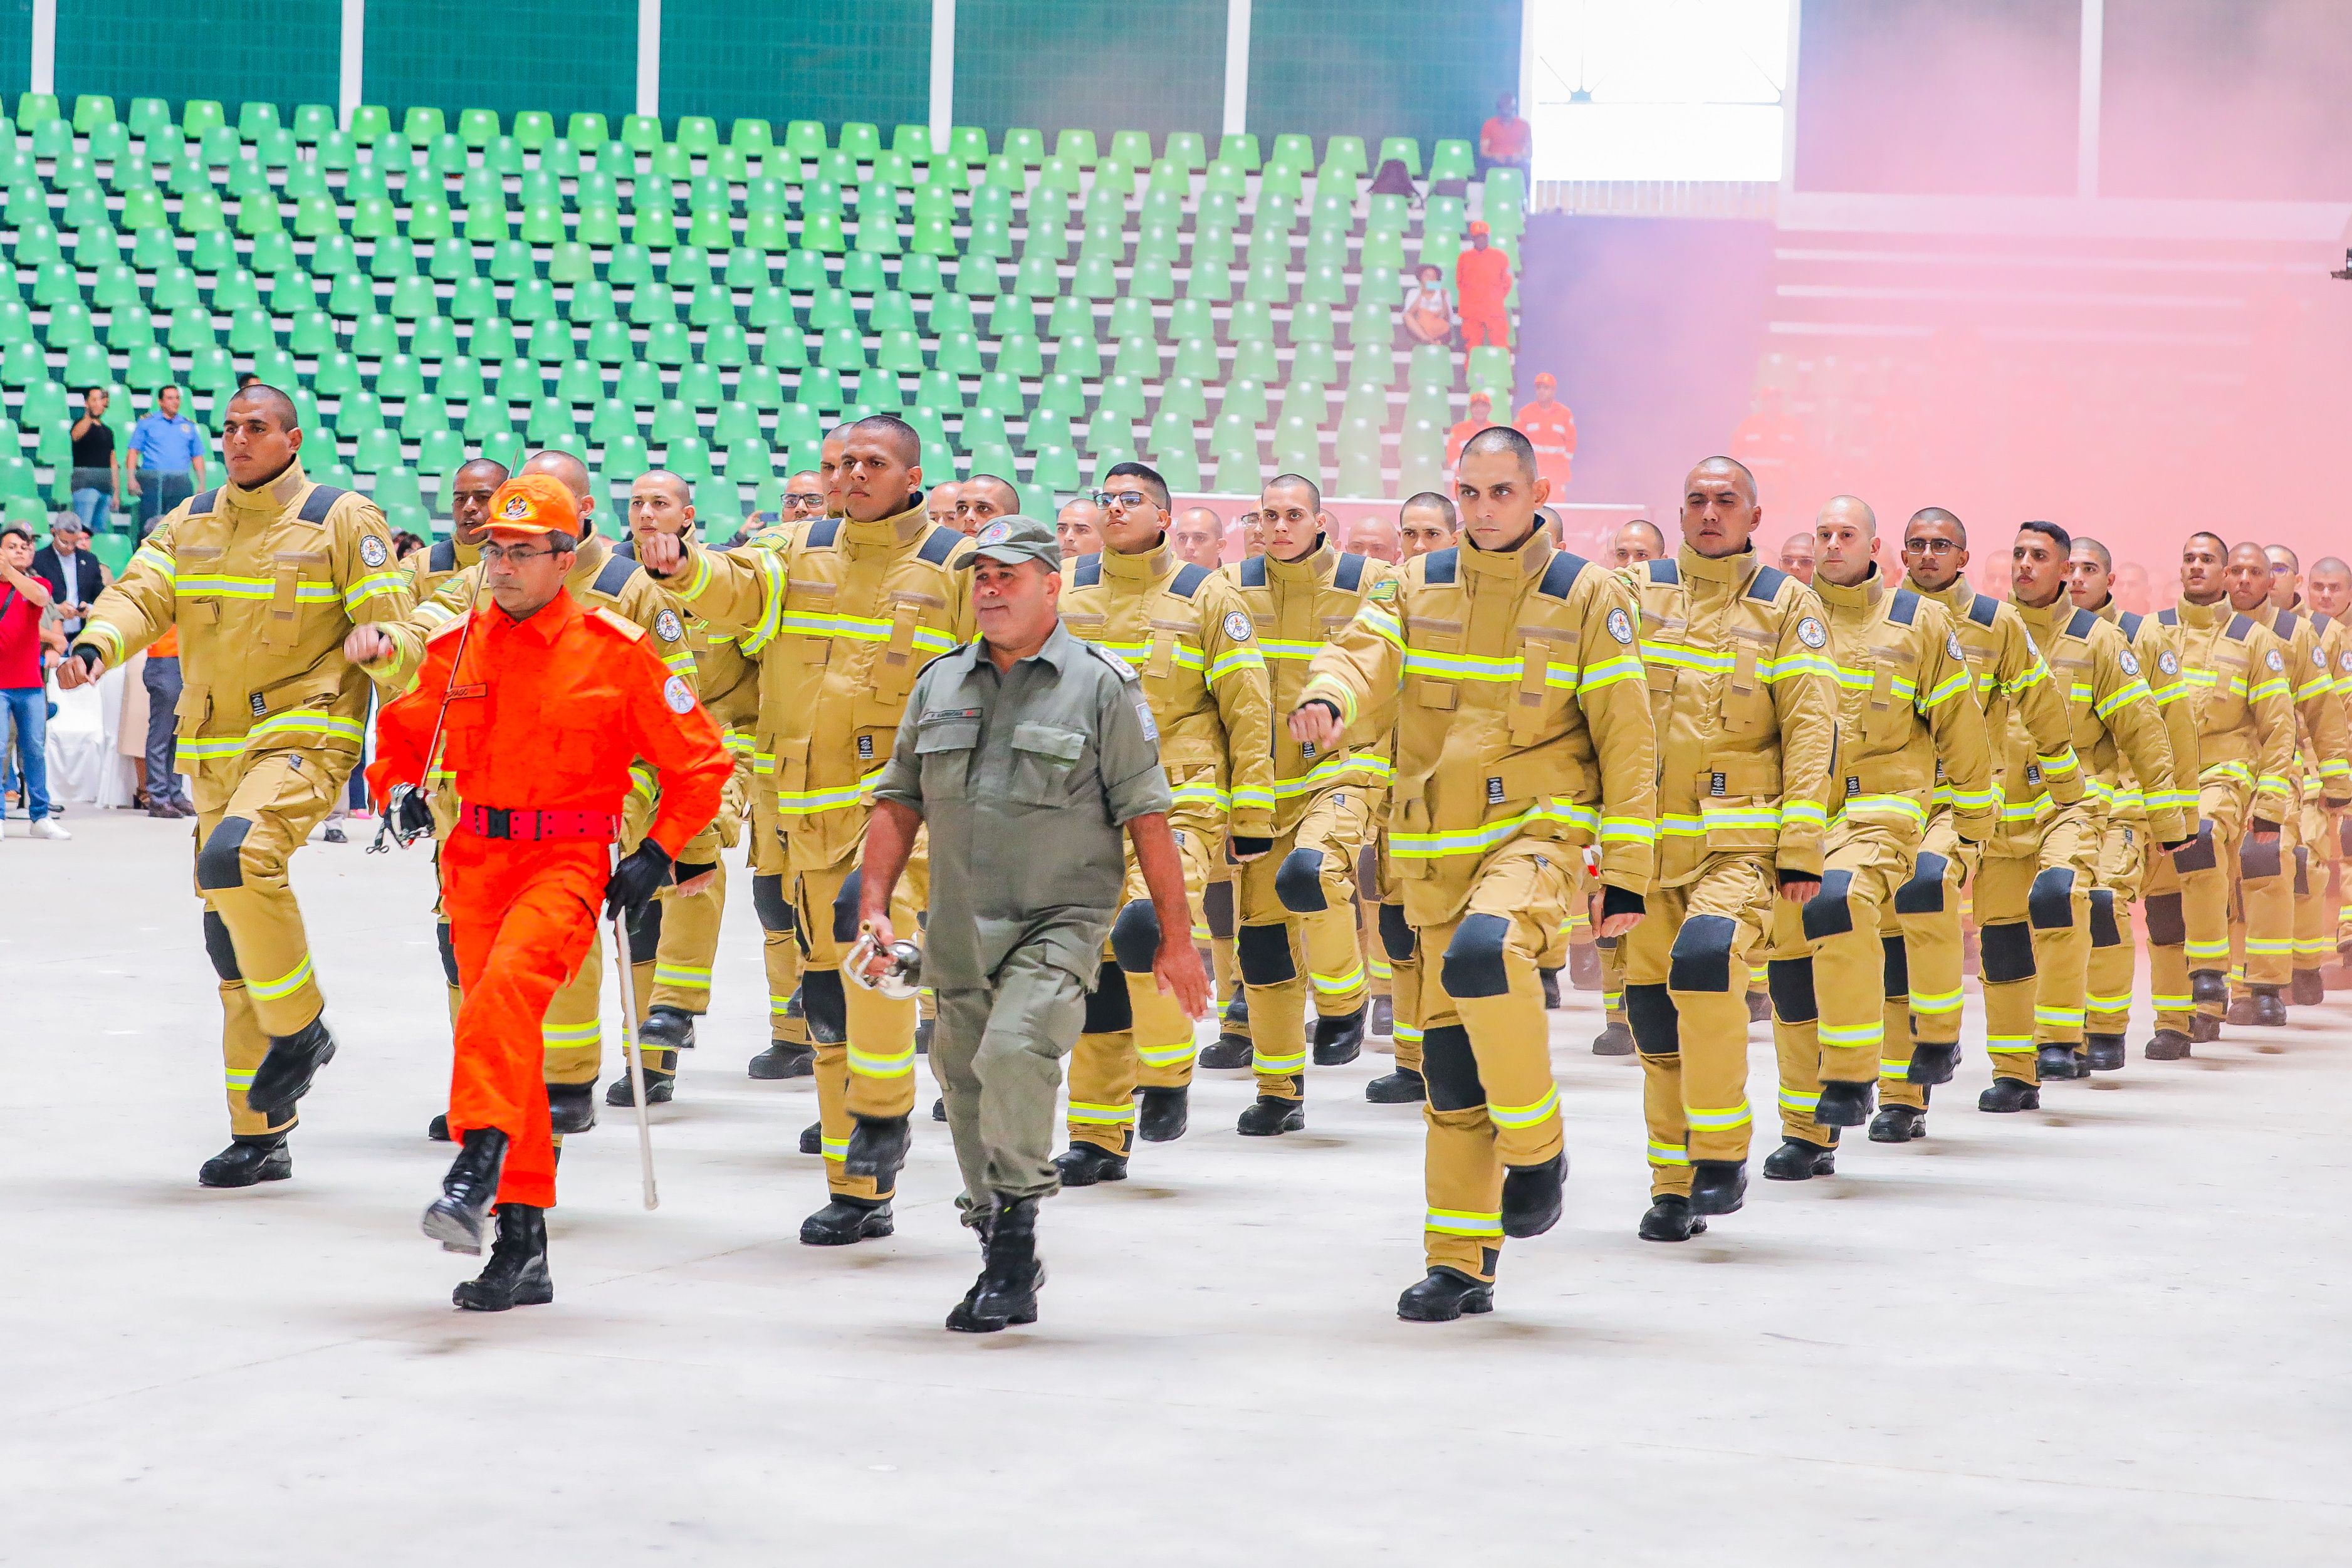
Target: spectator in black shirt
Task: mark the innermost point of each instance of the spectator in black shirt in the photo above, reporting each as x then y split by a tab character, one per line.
97	481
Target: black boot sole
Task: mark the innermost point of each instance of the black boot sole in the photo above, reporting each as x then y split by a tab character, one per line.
1092	1174
1163	1127
1227	1054
1669	1230
873	1228
1914	1127
1470	1303
1293	1120
770	1066
1821	1162
279	1109
470	1300
445	1221
572	1112
1395	1092
279	1167
437	1129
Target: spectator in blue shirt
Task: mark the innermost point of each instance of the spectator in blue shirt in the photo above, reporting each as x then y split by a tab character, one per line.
167	460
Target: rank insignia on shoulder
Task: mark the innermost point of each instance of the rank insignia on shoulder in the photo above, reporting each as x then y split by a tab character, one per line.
1494	792
1126	670
2319	658
1150	725
1952	646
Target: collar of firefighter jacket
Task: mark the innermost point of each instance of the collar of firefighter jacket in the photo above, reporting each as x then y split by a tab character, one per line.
890	533
1863	595
2217	614
1145	568
1307	571
269	501
2109	610
1507	566
1956	596
1731	571
593	553
2049	620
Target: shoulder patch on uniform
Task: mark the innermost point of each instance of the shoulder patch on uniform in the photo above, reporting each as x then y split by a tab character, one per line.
2239	627
1347	576
1983	608
2080	623
1440	565
1188	580
940	545
1381	592
2318	657
2130	624
320	502
677	695
1126	670
619	623
1952	646
2169	617
2276	660
203	505
667	627
1664	571
2285	627
1905	608
1238	627
2129	661
821	533
614	575
374	551
1766	586
443	556
1621	624
1253	571
2345	661
2169	662
1561	574
1811	633
1086	572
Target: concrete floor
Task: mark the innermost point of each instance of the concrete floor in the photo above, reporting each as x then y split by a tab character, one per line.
2112	1331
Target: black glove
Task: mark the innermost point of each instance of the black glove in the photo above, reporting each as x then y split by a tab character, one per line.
1616	900
1788	877
687	870
2177	845
636	879
1325	702
408	814
1250	846
90	658
2261	825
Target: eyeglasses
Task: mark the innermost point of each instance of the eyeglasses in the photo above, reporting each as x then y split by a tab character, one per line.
796	499
512	555
1130	500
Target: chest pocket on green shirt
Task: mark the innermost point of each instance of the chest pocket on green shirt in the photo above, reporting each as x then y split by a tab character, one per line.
945	753
1045	760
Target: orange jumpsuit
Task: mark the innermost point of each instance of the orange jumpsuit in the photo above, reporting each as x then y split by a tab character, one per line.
1482	281
1550	428
542	727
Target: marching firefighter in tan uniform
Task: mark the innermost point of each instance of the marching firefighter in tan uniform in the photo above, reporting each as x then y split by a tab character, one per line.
574	1031
1744	693
2015	689
2326	775
2131	864
1907	720
1184	629
1298	902
1524	735
789	1053
2033	895
2265	929
1635	545
2236	672
841	619
263	578
2331	596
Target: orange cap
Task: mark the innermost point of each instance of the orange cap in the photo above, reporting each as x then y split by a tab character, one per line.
533	504
1544	378
1478	228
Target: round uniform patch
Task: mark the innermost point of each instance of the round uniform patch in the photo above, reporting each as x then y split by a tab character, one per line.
2131	665
2319	658
2167	662
373	551
1621	626
1952	646
1238	627
678	694
995	533
2346	662
2273	661
666	626
1810	633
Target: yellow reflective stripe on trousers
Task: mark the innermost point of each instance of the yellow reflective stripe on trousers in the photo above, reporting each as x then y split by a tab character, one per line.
588	1034
883	1064
1516	1116
284	986
1164	1056
1261	1062
1852	1037
1337	985
1462	1222
1087	1115
1798	1100
1709	1120
1936	1001
1669	1155
684	974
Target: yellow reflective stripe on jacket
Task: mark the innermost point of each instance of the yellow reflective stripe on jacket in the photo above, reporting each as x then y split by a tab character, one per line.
150	555
1899	805
1274	648
222	585
358	593
1237	659
1473	840
1379	623
1354	768
800	802
1200	792
1943	693
2136	691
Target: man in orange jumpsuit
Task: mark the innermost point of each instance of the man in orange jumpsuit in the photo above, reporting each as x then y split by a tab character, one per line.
1482	414
538	728
1550	427
1482	281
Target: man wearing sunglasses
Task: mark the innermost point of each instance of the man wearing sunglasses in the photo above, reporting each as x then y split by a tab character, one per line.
1185	628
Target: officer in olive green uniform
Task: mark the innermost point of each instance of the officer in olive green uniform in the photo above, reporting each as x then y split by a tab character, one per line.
1025	752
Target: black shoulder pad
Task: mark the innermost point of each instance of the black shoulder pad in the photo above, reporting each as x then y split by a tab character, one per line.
1666	570
1086	572
2286	624
203	505
940	545
1440	565
2081	624
1253	571
1562	575
1905	608
616	576
627	550
444	556
2130	624
2169	617
1766	586
821	533
1348	575
318	504
2241	627
1188	580
1983	608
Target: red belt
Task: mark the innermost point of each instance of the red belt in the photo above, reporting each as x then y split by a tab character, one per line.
532	827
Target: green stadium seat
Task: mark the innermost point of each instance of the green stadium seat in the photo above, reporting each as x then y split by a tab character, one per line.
580	381
436	338
552	423
1451	160
966	144
534	130
149	116
1197	357
1077	354
843	349
1245	397
754	137
1239	148
697	136
1315	362
1137	356
1359	449
640	133
1295	150
1096	279
374	449
804	139
1297	447
586	132
1025	147
669	344
860	141
608	344
1404	150
1228	181
1345	153
422	124
487	416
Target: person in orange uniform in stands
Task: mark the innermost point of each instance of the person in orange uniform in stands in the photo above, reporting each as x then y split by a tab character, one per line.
1482	414
1482	281
1504	140
539	728
1550	427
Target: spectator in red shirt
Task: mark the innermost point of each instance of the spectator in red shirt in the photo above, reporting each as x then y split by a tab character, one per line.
1549	424
24	694
1482	414
1482	281
1504	140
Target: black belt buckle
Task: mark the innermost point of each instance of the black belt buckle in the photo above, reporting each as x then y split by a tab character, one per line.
498	822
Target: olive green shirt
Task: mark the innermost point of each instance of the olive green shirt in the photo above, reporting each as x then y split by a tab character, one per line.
1025	780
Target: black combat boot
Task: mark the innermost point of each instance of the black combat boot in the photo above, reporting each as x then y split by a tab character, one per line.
845	1220
1084	1165
458	1218
812	1138
1401	1087
2166	1045
2240	1013
1798	1161
939	1108
1845	1104
1583	966
1670	1219
1934	1064
1340	1041
517	1275
438	1128
1533	1196
923	1036
1384	1023
1231	1048
2208	986
1897	1124
1615	1039
671	1028
1163	1115
2270	1008
877	1147
785	1058
2008	1094
1445	1296
1268	1117
285	1074
661	1082
1549	979
572	1107
259	1157
2310	988
1718	1186
2053	1064
2204	1028
2104	1052
1007	1291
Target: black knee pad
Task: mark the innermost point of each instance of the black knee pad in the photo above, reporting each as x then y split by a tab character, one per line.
1135	936
217	863
1701	954
2049	902
1650	1013
2302	872
1263	955
1829	912
2007	951
1451	1069
1898	969
1108	1012
1924	893
448	952
823	1004
1474	959
2165	927
223	951
2200	855
845	907
2104	932
2256	862
1217	910
1298	882
775	910
1396	933
1791	981
645	931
